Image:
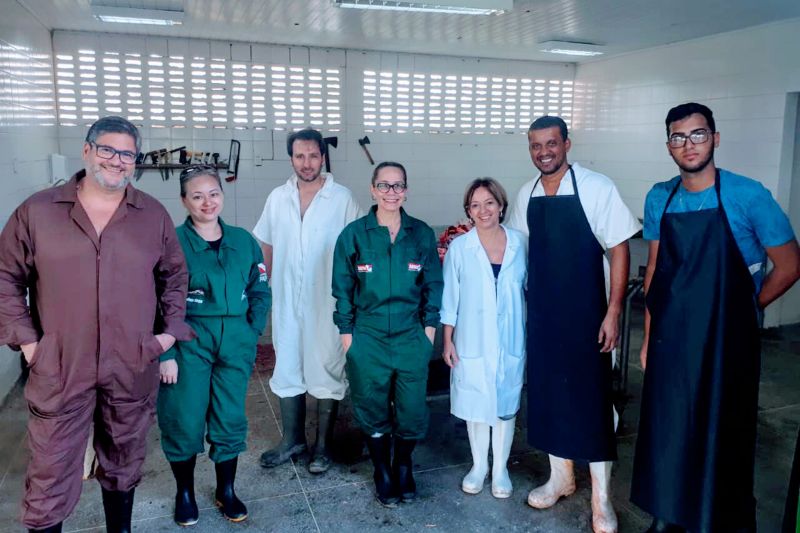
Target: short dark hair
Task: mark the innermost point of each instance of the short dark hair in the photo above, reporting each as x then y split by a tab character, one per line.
113	124
494	188
195	172
306	134
547	121
682	111
389	164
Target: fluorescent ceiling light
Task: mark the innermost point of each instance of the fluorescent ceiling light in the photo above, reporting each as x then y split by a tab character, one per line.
453	7
571	49
130	15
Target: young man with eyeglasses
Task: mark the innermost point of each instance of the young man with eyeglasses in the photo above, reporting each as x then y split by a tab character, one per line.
106	279
710	232
298	230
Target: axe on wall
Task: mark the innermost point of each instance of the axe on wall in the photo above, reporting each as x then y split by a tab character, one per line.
329	141
364	142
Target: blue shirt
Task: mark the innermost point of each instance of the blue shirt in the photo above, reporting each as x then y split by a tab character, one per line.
757	221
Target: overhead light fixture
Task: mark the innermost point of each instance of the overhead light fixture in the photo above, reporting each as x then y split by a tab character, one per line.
130	15
453	7
571	49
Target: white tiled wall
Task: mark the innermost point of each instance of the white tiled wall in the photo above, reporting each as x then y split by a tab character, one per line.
439	165
27	125
27	107
743	76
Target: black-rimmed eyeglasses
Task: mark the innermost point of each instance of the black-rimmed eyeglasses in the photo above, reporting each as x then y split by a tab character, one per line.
396	187
678	140
108	152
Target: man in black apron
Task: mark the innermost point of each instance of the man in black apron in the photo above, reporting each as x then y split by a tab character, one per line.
695	451
572	216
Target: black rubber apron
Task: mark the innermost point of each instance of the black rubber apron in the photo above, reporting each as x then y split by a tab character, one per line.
570	412
695	450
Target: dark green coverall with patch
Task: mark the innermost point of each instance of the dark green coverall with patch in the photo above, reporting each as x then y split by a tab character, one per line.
227	306
386	294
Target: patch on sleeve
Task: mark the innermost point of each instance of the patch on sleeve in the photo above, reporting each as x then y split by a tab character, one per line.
262	272
414	267
364	268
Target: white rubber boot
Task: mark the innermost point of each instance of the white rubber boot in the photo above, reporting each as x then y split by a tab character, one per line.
502	437
478	433
560	484
604	519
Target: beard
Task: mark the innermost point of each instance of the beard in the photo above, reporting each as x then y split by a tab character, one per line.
313	177
97	174
699	166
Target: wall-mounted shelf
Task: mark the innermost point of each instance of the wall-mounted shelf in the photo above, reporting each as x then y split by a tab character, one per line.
231	165
177	166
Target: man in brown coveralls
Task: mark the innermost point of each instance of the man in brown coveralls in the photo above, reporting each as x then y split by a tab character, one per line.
107	283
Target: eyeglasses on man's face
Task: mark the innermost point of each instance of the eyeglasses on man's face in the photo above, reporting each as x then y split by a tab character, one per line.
108	152
384	187
678	140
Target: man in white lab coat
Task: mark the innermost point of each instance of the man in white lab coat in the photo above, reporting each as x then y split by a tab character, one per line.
298	230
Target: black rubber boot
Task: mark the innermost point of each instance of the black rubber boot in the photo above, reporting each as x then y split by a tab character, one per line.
402	469
327	410
293	418
52	529
232	507
118	506
660	526
186	513
380	451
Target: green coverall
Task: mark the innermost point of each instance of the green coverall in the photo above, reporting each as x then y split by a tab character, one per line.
227	306
386	294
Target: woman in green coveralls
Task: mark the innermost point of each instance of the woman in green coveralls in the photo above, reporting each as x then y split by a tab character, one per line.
387	281
204	381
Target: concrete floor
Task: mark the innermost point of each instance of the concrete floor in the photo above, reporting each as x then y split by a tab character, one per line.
288	498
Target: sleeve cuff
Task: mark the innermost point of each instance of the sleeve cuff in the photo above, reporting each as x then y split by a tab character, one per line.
179	329
432	322
447	318
168	355
346	330
18	336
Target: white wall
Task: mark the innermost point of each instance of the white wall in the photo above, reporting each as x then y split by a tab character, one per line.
790	302
27	126
743	76
439	165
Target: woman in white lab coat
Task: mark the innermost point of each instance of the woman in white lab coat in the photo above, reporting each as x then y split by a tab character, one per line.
484	331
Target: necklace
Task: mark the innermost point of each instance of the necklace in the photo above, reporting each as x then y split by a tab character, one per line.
705	197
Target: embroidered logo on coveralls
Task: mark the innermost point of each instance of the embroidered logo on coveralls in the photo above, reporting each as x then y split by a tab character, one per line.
196	296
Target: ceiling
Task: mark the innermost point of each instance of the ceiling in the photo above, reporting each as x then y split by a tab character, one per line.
621	25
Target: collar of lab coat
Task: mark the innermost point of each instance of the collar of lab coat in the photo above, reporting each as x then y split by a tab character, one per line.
472	241
326	189
372	218
69	192
198	243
